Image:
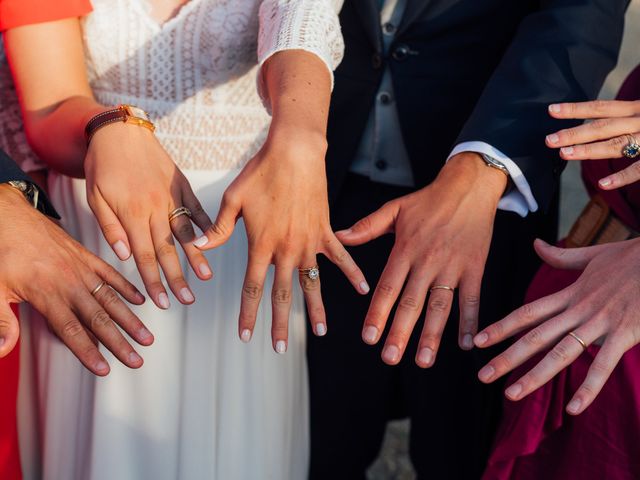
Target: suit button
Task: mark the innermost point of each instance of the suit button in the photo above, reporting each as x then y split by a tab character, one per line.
401	53
388	28
381	165
384	98
376	61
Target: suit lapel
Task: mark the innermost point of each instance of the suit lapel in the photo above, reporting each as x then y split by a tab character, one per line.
370	15
412	11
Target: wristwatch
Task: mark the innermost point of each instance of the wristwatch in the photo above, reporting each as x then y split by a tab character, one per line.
28	189
122	113
493	163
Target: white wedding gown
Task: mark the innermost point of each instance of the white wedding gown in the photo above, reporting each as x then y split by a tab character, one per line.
204	405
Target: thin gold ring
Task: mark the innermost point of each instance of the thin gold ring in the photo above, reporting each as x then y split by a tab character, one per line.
313	273
95	291
579	340
178	212
441	287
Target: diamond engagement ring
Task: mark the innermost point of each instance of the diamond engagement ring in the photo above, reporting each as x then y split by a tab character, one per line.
313	273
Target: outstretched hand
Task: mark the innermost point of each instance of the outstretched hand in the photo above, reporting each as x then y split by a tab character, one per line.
443	233
602	304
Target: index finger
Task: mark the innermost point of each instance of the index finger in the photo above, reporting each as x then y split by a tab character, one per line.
594	109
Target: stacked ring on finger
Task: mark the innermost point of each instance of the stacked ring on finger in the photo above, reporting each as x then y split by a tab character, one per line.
632	149
312	273
179	212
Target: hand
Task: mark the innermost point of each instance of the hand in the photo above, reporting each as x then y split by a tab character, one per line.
132	186
42	265
282	196
443	233
617	123
591	308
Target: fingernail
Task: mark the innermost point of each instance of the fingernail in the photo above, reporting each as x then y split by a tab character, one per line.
321	329
553	138
567	150
186	295
391	353
605	182
467	341
205	271
281	346
513	391
2	340
102	367
144	334
574	406
486	373
201	242
425	356
134	357
364	287
245	335
370	334
163	300
121	249
139	297
344	232
554	108
481	339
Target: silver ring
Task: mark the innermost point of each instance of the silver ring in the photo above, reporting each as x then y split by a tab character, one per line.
178	212
632	149
312	273
95	291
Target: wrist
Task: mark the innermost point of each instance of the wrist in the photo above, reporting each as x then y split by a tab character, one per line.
306	143
471	172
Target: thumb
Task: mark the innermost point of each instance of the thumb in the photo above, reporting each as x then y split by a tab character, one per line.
566	258
220	231
370	227
9	328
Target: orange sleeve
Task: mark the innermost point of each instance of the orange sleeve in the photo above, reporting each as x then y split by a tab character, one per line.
15	13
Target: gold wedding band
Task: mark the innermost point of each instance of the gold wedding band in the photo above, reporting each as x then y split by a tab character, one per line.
178	212
441	287
579	340
95	291
313	273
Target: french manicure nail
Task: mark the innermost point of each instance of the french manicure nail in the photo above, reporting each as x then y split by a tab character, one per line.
134	357
245	335
186	295
201	242
425	356
121	249
102	367
486	373
163	300
554	108
281	346
574	406
481	339
553	138
364	287
370	334
205	271
391	353
144	334
321	329
605	182
514	390
567	150
467	341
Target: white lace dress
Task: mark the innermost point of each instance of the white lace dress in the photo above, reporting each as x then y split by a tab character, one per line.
204	406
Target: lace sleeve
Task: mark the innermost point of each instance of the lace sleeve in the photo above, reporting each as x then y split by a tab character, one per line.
310	25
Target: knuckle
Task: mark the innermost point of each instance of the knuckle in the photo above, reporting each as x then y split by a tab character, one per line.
111	229
281	296
618	142
108	298
503	363
528	311
600	123
99	319
165	250
219	228
438	305
471	300
600	367
385	290
252	291
340	257
559	353
146	259
196	209
72	329
600	106
309	285
533	338
185	231
409	303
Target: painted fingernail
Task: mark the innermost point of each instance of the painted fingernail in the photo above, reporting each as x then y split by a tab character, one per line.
281	346
163	301
467	341
481	339
513	391
245	335
121	249
554	108
370	334
139	297
364	287
391	354
486	373
605	182
102	367
567	150
134	357
205	271
425	356
574	406
553	138
201	242
321	329
144	334
186	295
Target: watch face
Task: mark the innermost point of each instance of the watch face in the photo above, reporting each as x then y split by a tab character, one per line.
137	112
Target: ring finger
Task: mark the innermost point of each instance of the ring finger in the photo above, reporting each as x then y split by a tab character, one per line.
612	148
182	229
438	310
309	277
593	131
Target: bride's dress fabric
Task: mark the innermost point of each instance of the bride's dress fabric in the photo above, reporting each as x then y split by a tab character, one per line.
204	405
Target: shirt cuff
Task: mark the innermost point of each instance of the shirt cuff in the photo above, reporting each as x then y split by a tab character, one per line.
520	199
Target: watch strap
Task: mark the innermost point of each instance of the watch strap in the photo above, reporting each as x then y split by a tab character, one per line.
122	113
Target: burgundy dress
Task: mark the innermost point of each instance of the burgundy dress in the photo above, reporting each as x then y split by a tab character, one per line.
537	439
